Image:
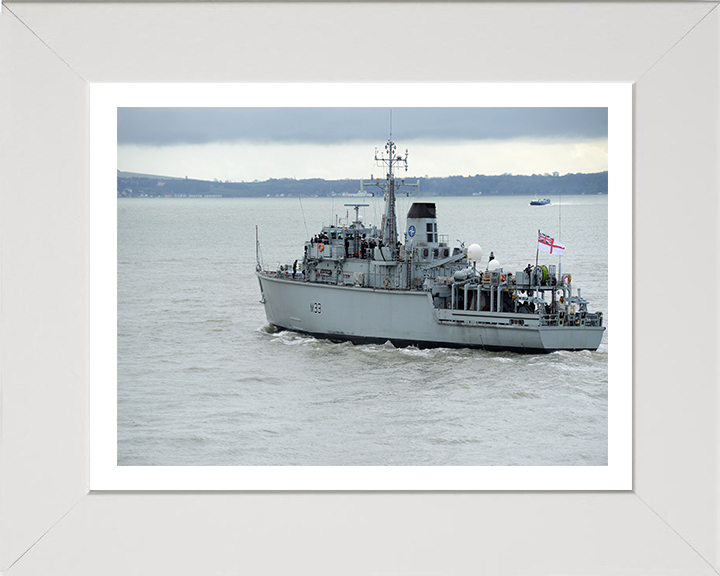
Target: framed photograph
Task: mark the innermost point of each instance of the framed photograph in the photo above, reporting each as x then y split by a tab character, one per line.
292	450
68	491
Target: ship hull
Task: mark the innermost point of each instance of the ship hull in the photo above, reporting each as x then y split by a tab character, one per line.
408	318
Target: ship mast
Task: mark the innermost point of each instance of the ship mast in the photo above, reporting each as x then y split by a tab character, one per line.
389	232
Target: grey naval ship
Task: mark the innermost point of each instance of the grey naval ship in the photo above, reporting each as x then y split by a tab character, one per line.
362	284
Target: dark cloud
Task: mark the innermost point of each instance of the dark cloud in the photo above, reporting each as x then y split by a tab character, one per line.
169	126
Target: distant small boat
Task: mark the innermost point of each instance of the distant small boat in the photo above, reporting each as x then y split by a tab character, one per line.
539	201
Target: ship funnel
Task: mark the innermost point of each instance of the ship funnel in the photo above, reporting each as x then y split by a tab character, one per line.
422	230
422	224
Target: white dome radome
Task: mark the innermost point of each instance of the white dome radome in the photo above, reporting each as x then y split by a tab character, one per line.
474	252
493	264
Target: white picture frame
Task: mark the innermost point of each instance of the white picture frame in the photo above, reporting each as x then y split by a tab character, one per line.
50	522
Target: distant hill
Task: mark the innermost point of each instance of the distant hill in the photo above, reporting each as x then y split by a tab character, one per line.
130	184
121	174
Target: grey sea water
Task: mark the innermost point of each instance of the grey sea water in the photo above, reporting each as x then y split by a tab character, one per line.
204	381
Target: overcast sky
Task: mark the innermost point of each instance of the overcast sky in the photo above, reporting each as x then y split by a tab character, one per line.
245	144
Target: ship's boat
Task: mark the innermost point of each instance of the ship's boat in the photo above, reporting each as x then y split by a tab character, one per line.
360	283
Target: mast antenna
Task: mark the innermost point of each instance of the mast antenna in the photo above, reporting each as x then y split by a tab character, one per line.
258	265
307	234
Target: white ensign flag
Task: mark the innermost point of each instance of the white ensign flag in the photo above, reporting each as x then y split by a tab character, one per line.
547	244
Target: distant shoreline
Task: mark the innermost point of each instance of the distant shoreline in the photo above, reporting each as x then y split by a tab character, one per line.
147	186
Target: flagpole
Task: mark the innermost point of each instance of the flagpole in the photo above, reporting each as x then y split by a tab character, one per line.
560	234
537	253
